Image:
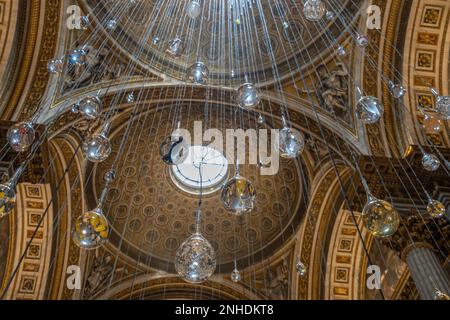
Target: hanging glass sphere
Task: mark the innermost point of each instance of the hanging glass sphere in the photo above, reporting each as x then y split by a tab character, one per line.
314	10
430	162
301	268
111	24
174	150
130	97
89	107
442	105
341	51
361	40
97	148
76	57
435	208
109	176
156	40
175	49
198	73
330	15
21	136
7	199
397	90
236	276
195	260
55	66
380	218
261	119
84	22
432	125
248	96
439	295
369	110
291	143
91	230
194	9
238	195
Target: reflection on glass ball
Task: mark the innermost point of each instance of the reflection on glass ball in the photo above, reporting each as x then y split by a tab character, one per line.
436	209
301	268
235	276
239	195
194	9
90	107
174	150
291	143
109	176
369	110
430	162
195	260
362	41
432	125
397	90
175	49
76	57
21	136
314	10
7	199
198	73
443	107
55	66
111	24
380	218
248	96
91	230
97	148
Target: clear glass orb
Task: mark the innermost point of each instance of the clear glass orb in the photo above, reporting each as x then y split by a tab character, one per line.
380	218
174	150
436	209
130	97
97	148
90	107
7	199
291	143
369	110
109	176
261	119
238	195
430	162
55	66
195	260
248	96
397	90
175	49
301	268
432	124
362	41
236	276
443	107
91	230
84	22
314	10
21	136
194	9
341	51
76	57
198	73
330	15
111	24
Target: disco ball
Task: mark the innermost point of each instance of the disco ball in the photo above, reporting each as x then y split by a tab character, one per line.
195	260
291	143
238	195
89	107
21	136
97	148
7	199
369	110
174	150
236	276
430	162
91	230
436	209
314	10
198	73
194	9
380	218
248	96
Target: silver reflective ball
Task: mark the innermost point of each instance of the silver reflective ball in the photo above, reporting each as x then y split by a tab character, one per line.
248	96
236	276
369	110
239	196
198	73
430	162
21	136
176	48
314	10
55	66
443	107
291	143
194	9
90	107
76	57
97	148
91	230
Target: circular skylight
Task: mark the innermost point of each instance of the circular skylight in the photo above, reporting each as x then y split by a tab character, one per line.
214	170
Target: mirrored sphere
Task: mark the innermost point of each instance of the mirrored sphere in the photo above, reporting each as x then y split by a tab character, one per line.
432	124
195	260
291	143
314	10
198	73
90	107
109	176
235	276
97	148
91	230
397	91
436	209
380	218
301	268
430	162
239	195
76	57
175	49
174	150
362	41
193	9
443	107
111	24
21	136
55	66
247	96
369	110
7	199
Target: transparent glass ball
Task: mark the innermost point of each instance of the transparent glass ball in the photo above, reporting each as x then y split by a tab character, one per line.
248	96
97	148
236	276
111	24
443	107
194	9
436	209
369	110
91	230
362	41
301	268
7	199
430	162
55	66
432	125
76	57
198	73
195	260
175	49
239	195
397	90
291	143
109	176
380	218
174	150
90	107
314	10
21	136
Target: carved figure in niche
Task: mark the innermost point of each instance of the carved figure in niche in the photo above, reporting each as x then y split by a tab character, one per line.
333	89
277	282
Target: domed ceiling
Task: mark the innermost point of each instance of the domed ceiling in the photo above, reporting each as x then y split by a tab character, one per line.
151	216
